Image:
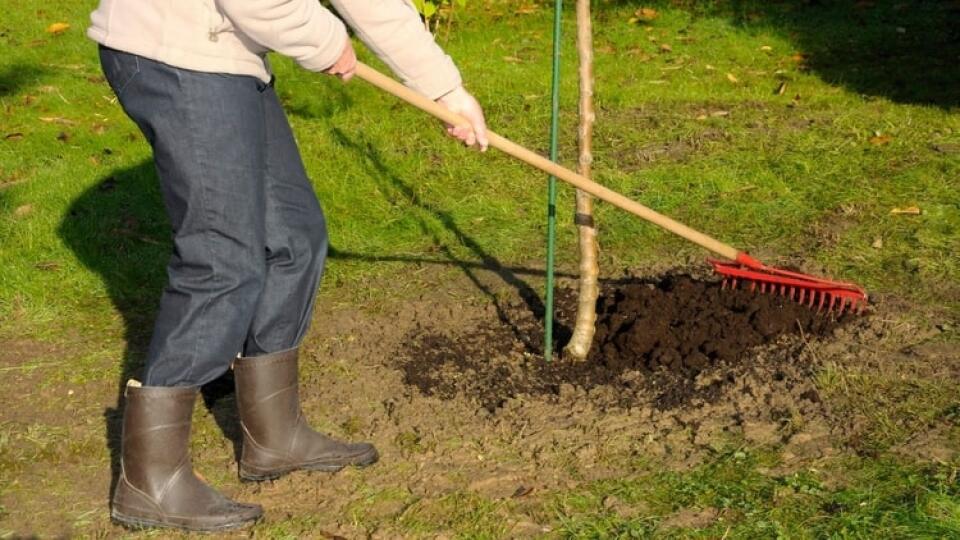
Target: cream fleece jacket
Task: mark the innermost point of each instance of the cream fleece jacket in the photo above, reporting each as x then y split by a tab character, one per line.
233	36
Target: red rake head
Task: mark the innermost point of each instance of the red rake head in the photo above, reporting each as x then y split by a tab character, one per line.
805	289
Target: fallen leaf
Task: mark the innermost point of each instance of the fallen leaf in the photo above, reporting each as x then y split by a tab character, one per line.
781	89
57	120
709	67
16	136
107	185
877	243
799	57
522	491
766	48
906	211
946	148
732	78
646	14
47	265
880	140
23	210
512	59
716	114
58	28
702	117
666	48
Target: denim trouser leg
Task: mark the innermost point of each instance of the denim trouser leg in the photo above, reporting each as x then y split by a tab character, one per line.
249	235
296	241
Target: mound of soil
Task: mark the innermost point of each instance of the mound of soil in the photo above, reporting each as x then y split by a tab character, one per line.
662	336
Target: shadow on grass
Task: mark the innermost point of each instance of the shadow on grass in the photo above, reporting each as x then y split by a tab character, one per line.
17	76
118	228
906	52
324	101
403	193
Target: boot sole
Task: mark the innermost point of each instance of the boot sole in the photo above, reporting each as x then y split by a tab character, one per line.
136	523
361	461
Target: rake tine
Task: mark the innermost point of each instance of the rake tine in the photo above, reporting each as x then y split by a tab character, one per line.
836	297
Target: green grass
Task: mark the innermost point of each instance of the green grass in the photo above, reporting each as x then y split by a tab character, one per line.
868	121
871	499
773	174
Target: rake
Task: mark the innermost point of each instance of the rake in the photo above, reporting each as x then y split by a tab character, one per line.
740	270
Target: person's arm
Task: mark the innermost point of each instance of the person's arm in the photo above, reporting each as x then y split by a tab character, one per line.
301	29
392	29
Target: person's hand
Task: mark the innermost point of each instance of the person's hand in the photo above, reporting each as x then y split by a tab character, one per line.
345	66
461	102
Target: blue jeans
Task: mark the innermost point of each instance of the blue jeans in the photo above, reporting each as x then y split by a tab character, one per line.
249	237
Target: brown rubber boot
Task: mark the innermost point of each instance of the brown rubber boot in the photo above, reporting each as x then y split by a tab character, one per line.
276	437
157	485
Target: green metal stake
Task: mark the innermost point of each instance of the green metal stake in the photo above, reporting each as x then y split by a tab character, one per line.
552	182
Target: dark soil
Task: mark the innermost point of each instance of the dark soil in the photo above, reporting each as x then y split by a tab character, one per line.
651	335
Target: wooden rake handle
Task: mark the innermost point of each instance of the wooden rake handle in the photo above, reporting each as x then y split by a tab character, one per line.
391	86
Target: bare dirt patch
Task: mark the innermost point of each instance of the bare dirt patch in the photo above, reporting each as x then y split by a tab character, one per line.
452	389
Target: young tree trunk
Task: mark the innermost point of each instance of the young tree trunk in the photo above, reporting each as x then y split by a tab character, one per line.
583	332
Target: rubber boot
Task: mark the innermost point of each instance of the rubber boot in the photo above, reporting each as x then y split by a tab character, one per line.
276	436
157	485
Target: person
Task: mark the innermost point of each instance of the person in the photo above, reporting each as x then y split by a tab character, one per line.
249	236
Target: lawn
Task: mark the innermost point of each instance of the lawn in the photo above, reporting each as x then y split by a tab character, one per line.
824	136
